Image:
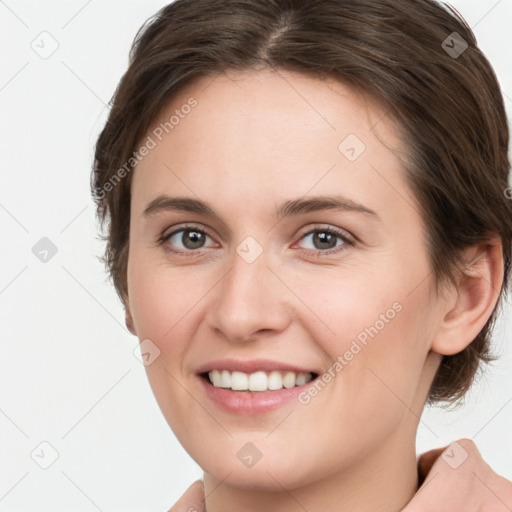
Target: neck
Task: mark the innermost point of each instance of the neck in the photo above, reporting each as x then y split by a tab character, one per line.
383	481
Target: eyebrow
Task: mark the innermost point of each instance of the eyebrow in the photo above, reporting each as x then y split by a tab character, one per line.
291	207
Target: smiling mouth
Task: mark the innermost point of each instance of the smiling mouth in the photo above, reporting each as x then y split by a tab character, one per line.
258	381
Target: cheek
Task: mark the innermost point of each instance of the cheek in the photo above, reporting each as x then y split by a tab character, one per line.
378	354
374	330
162	299
348	306
162	302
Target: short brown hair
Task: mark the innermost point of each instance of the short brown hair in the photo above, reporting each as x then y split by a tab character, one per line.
404	53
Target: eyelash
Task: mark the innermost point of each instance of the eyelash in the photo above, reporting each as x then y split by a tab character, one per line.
163	239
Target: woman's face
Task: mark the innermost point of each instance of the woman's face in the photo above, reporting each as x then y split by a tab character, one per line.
296	248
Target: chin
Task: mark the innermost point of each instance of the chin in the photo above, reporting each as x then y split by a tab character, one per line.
270	473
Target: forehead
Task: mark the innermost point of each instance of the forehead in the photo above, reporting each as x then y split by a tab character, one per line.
267	100
266	134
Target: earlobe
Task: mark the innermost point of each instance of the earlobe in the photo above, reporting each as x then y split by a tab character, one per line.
128	320
475	298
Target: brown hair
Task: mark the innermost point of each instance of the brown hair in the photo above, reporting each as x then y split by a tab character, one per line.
403	53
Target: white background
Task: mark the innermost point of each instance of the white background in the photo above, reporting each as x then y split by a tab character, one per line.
67	369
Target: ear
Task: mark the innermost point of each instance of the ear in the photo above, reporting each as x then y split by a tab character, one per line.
471	303
128	320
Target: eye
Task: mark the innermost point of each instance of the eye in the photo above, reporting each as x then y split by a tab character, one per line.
327	240
187	239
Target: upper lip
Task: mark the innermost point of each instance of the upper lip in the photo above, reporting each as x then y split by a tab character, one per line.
251	366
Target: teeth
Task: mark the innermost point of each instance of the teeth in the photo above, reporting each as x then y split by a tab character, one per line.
289	380
225	379
274	381
258	381
301	379
239	381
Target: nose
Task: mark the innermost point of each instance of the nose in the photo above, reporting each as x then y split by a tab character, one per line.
249	302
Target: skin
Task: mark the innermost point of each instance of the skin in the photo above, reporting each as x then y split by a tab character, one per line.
255	140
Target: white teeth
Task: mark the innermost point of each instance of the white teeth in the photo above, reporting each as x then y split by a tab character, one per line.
289	380
239	381
215	378
258	381
275	381
301	379
226	379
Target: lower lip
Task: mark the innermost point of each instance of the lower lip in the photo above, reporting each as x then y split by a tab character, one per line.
248	403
